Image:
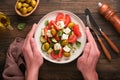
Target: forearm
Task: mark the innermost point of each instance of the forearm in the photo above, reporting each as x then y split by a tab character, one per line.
32	74
90	76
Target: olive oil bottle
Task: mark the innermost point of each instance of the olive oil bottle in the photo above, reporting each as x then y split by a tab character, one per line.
5	22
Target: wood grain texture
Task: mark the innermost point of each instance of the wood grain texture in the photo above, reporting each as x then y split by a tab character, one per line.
49	71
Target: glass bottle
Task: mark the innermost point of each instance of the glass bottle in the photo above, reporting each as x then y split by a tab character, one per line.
5	22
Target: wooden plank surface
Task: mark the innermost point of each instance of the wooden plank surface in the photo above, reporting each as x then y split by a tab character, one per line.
49	71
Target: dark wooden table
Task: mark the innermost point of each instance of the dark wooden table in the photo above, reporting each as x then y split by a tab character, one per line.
49	71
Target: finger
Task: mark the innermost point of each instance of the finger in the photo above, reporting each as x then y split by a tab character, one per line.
31	33
27	50
93	56
91	39
86	51
89	35
25	55
27	47
34	46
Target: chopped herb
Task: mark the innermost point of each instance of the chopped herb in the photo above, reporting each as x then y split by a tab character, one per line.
46	22
60	33
21	26
51	45
57	51
78	44
70	46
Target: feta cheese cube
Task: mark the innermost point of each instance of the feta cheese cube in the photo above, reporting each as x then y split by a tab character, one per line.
49	33
67	30
66	49
57	46
60	24
64	36
42	32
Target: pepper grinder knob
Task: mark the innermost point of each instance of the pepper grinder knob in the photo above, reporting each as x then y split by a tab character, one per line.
110	15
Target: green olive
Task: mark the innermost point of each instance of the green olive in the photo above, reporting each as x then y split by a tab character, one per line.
71	24
66	54
46	46
28	1
53	31
19	5
20	9
25	5
24	10
33	3
29	9
64	42
22	0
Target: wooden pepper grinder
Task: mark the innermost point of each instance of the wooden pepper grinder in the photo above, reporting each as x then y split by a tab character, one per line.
110	15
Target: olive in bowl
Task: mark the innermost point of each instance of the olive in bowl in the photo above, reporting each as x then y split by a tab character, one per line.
25	8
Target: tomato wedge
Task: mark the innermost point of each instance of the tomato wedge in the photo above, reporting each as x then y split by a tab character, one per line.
55	25
67	20
76	30
56	56
53	55
72	38
60	53
64	17
60	16
50	24
45	31
57	37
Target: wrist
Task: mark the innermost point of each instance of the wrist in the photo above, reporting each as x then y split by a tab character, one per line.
32	74
90	76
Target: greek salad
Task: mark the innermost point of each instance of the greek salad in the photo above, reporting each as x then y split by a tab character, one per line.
59	37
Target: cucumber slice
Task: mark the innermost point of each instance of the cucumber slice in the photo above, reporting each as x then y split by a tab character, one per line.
42	39
54	40
42	32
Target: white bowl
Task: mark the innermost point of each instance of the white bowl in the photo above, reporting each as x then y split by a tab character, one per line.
52	16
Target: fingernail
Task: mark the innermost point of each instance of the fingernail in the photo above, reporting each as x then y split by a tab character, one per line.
34	24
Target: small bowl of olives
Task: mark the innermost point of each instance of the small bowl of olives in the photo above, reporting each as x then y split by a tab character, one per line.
25	8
